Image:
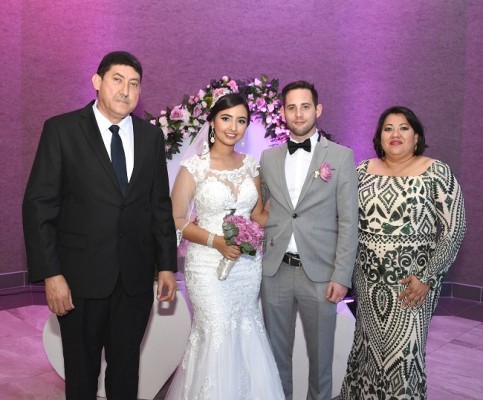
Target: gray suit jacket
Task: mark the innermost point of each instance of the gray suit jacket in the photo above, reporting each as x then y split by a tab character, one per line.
324	221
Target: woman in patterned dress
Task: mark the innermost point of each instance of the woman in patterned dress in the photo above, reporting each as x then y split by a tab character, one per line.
411	224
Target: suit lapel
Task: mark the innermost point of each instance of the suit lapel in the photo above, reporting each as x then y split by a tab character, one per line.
139	150
280	168
320	153
91	131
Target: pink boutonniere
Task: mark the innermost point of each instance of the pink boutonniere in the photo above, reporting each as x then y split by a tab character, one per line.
324	172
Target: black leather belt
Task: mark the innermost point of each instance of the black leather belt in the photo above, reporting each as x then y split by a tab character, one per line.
292	260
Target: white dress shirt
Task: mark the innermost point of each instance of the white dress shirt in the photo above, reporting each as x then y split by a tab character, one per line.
296	169
126	133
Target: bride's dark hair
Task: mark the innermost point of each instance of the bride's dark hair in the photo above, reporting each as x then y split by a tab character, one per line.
228	101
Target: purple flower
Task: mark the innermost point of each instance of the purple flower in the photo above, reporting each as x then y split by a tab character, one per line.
261	102
324	172
232	84
244	237
179	114
243	232
197	110
218	93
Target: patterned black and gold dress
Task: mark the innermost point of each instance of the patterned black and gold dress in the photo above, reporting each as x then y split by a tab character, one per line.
407	226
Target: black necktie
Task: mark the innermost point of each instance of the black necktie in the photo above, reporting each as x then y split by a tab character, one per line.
118	158
294	146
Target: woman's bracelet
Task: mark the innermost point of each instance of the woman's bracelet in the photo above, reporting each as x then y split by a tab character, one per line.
211	237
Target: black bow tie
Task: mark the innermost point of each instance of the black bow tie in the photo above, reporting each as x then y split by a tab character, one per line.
293	146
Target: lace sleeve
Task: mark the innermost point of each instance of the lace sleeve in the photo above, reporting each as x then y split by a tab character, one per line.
182	199
252	165
196	167
450	212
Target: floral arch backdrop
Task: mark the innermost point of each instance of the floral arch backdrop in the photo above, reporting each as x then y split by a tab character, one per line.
183	121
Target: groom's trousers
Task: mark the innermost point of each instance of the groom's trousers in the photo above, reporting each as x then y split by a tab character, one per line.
282	295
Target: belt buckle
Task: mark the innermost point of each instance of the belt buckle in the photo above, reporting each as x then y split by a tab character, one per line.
293	257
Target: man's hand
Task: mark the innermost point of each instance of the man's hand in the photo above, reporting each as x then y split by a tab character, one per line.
336	292
415	293
166	286
57	292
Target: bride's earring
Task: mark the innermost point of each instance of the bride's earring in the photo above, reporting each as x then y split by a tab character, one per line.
243	142
212	135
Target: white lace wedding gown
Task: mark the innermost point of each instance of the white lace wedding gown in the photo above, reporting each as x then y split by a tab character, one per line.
228	355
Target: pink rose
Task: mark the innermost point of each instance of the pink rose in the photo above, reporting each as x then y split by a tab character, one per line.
243	237
260	103
197	110
179	114
325	172
233	86
218	93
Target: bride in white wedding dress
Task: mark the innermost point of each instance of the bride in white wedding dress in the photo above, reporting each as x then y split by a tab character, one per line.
228	355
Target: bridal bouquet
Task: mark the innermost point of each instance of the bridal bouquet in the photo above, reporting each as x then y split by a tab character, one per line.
240	231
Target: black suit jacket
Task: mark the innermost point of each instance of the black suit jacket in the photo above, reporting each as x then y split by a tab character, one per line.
76	221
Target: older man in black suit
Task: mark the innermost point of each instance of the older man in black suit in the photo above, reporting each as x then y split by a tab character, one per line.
97	220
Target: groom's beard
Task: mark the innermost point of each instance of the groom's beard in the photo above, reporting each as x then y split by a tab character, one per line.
301	130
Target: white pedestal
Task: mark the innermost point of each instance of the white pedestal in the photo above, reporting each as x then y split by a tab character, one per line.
165	342
161	350
344	335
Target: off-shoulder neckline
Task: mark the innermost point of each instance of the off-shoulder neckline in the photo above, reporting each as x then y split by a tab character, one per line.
425	172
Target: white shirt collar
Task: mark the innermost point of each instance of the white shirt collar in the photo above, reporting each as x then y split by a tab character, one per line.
104	124
313	141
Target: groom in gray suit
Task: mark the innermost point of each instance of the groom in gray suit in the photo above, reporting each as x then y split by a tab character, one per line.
311	186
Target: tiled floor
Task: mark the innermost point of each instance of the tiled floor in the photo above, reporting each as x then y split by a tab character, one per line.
454	358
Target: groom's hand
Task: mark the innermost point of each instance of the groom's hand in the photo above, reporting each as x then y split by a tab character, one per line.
336	292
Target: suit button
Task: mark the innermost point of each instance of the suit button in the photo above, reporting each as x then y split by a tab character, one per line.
294	215
123	207
122	236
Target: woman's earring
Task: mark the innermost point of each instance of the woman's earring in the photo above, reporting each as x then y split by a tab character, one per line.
243	142
212	135
415	147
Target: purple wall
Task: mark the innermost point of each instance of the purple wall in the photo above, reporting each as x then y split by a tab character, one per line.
363	56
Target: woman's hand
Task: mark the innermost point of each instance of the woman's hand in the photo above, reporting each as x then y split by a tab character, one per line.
415	293
229	252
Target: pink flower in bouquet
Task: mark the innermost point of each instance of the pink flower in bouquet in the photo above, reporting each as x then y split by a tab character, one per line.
243	232
243	236
324	172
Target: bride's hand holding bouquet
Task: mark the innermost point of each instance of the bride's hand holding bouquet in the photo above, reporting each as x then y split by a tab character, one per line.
229	252
240	232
